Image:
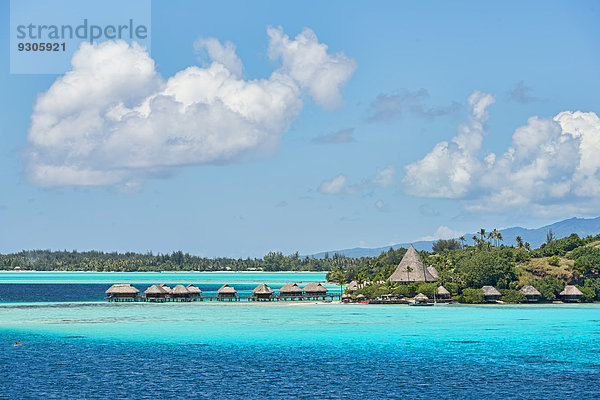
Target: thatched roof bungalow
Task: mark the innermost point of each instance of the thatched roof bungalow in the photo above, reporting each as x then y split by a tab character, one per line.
490	293
412	269
122	291
263	291
442	293
226	292
360	297
194	291
180	291
156	292
531	293
290	290
571	293
421	298
314	289
167	289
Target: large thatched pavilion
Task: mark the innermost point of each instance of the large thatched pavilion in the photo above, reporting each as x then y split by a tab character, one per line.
412	269
122	292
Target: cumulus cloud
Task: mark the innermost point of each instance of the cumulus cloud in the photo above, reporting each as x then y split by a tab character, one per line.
113	120
550	167
339	185
443	232
448	170
339	137
389	106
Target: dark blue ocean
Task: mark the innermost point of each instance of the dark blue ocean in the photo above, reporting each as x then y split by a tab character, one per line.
81	347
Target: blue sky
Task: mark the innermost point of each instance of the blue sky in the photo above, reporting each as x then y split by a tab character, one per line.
447	119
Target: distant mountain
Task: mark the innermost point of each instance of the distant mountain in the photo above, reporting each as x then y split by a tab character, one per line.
581	226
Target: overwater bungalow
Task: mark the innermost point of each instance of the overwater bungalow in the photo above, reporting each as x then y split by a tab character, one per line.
180	293
411	269
571	293
442	293
314	290
290	291
156	293
122	292
166	288
490	293
262	292
195	292
352	286
531	293
227	292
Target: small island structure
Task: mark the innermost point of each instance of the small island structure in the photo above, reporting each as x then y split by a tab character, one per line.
290	291
571	294
530	293
262	293
228	293
491	294
420	300
122	292
315	291
412	269
442	294
195	292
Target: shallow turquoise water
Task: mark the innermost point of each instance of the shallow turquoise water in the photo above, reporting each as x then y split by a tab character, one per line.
306	351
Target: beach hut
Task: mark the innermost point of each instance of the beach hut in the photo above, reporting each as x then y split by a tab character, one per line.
352	286
411	269
195	292
227	292
314	290
571	293
433	272
442	293
122	292
262	292
346	298
421	298
180	293
360	298
490	293
531	293
290	291
156	293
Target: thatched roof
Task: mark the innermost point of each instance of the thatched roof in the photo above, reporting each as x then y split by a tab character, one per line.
346	296
122	288
570	290
421	297
262	289
290	288
352	286
314	287
226	289
529	290
434	272
360	296
193	289
180	290
443	291
166	288
411	269
156	289
490	291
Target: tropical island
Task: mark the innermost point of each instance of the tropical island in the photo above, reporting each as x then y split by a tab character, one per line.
462	269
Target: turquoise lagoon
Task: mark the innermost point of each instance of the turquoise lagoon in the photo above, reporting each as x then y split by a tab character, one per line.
302	351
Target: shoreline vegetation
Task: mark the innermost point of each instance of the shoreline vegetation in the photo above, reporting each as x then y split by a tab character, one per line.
462	269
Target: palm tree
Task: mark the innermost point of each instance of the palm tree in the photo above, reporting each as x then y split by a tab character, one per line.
527	246
482	233
339	276
462	240
519	241
499	237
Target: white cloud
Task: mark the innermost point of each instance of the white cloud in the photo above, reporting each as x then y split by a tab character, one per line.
339	185
448	170
307	62
551	165
113	120
443	232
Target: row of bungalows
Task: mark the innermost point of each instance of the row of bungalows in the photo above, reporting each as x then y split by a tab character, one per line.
569	294
162	293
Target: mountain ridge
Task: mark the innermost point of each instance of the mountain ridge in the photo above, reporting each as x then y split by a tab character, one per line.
535	237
